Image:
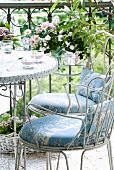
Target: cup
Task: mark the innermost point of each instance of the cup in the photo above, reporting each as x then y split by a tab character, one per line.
6	50
6	46
37	54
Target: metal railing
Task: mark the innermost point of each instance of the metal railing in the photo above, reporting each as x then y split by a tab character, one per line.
30	10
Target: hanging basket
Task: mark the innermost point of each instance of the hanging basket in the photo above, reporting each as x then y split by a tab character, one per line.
7	144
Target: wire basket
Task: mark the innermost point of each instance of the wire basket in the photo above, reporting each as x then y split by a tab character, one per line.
7	144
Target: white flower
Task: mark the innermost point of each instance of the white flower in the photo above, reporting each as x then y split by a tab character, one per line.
56	20
60	37
71	47
47	38
45	44
70	34
67	20
27	32
61	31
67	43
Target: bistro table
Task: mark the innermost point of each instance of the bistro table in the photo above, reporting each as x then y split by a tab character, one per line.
11	73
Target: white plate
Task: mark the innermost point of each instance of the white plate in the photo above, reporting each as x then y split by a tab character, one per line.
27	62
38	61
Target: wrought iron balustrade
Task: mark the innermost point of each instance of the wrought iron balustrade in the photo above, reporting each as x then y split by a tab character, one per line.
30	9
30	12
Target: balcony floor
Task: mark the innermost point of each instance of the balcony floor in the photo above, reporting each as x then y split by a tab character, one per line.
93	160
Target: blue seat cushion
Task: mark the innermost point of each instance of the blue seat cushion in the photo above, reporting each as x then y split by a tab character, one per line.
58	102
51	131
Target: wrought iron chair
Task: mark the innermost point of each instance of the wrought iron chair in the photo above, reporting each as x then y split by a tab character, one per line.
59	102
60	132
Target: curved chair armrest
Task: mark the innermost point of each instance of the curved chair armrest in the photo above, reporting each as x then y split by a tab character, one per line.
106	83
68	95
76	86
45	111
49	112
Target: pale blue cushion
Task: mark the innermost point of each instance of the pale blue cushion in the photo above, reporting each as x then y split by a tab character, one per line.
98	118
52	131
85	77
58	102
58	131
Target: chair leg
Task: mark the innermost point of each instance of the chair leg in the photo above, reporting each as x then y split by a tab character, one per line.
82	157
18	156
24	158
48	161
110	155
58	162
66	160
16	160
47	155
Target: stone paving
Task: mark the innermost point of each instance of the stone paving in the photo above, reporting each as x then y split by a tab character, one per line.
93	160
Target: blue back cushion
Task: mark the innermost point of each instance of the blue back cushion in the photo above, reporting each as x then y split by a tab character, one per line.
99	119
85	77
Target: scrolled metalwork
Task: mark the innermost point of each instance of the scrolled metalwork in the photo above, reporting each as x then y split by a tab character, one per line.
3	87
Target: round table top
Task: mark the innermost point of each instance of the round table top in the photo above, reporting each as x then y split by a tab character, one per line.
15	71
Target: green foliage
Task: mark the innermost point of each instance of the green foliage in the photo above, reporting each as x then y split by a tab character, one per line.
2	24
54	5
88	33
85	32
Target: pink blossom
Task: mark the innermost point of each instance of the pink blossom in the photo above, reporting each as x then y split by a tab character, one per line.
36	38
45	25
38	30
54	28
32	118
4	124
33	42
6	34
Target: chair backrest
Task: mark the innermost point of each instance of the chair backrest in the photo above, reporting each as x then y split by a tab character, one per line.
93	80
98	123
99	119
91	86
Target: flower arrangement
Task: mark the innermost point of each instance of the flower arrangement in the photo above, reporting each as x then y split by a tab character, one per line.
73	32
6	34
58	36
7	123
79	32
45	37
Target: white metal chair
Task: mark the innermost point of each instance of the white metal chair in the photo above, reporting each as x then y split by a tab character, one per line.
63	132
59	102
